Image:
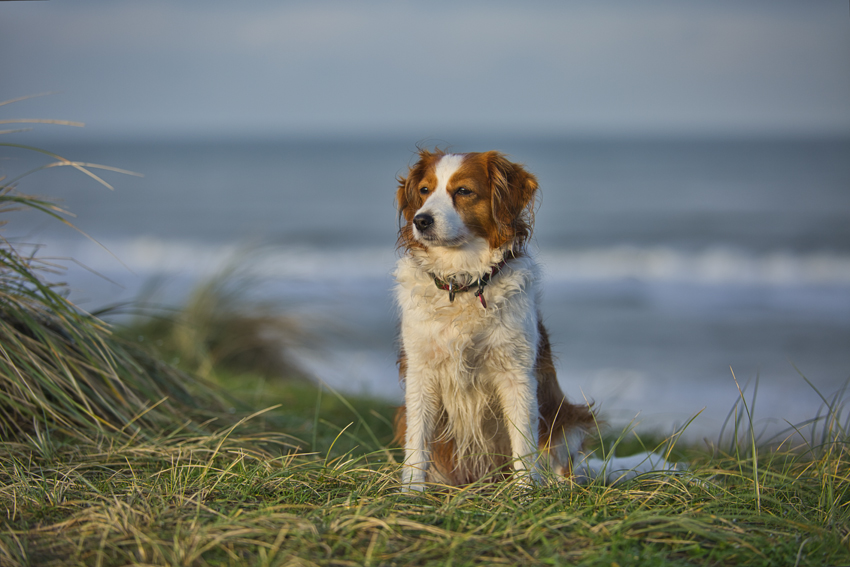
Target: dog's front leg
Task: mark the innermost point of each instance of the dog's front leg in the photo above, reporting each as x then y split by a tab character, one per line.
518	396
421	406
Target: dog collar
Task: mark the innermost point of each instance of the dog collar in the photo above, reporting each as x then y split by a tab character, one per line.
453	287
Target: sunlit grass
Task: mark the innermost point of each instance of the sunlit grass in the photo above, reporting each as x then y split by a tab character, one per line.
207	501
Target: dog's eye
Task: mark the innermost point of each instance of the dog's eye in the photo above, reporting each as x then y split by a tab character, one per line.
463	191
423	190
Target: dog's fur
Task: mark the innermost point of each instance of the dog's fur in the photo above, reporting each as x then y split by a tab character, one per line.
482	400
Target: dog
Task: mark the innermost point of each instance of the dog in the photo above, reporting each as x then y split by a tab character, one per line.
482	400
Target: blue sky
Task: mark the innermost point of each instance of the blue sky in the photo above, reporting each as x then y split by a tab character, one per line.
193	67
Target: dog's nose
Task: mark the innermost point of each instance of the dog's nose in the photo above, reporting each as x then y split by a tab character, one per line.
423	221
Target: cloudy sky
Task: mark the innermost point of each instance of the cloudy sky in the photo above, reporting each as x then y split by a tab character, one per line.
202	67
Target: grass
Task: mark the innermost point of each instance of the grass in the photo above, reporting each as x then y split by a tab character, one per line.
208	500
109	456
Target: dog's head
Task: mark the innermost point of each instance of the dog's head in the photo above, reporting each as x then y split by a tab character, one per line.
450	199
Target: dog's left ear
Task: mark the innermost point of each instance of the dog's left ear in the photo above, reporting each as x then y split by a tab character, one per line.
512	194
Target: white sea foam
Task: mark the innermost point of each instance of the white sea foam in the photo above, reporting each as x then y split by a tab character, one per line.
712	266
151	256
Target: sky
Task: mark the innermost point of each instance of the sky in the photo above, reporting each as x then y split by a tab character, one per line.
295	68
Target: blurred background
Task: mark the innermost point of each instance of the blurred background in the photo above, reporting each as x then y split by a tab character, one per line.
693	158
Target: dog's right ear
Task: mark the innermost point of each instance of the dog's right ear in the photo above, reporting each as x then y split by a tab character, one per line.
407	196
404	198
408	199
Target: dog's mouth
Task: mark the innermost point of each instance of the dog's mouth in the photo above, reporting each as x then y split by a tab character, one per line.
430	239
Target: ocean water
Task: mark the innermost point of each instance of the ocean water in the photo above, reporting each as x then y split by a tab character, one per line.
668	264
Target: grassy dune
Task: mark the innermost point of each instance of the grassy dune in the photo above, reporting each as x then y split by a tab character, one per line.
111	456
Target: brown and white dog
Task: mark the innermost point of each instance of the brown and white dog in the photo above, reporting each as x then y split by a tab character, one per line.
481	394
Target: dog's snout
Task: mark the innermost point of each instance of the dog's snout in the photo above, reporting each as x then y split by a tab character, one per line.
423	221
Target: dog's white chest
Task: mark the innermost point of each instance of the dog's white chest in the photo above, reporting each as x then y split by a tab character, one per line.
461	341
450	337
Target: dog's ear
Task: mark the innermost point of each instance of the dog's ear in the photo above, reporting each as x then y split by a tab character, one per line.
512	194
408	198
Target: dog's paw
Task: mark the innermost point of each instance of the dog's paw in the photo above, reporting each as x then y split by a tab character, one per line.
412	487
412	479
529	478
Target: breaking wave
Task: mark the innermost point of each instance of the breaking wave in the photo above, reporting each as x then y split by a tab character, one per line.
711	266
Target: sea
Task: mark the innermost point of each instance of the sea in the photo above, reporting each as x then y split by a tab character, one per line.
680	276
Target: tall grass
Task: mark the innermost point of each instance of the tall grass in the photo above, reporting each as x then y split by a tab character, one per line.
62	371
